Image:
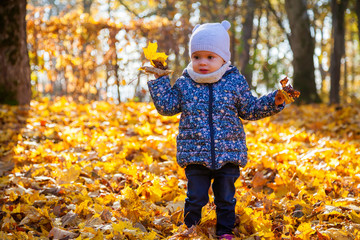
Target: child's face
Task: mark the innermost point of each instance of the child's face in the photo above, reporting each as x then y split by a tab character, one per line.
205	62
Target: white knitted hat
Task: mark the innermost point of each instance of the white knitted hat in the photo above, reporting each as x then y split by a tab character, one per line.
212	37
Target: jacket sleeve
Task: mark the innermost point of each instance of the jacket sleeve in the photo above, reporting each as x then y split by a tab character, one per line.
253	108
166	99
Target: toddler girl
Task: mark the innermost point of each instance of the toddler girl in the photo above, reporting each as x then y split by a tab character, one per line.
212	96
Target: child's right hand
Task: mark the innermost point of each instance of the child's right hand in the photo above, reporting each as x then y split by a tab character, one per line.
156	71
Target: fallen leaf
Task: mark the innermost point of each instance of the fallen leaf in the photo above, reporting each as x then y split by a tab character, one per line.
57	233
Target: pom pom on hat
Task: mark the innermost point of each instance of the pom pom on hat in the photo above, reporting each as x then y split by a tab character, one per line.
212	37
226	24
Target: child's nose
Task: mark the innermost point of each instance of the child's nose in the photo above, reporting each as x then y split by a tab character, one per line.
202	61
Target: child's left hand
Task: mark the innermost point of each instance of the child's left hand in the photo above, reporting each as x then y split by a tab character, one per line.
287	93
279	98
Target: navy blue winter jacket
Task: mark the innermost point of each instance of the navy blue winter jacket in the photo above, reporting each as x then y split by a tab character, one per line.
210	130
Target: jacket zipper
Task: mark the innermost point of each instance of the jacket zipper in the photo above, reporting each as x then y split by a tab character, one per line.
211	126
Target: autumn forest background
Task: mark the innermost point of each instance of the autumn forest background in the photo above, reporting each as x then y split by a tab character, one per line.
85	155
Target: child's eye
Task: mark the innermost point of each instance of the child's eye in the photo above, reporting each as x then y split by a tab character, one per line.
196	57
210	57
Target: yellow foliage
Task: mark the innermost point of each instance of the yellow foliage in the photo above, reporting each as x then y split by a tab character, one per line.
305	230
102	171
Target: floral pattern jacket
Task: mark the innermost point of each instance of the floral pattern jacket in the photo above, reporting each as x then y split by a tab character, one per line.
211	132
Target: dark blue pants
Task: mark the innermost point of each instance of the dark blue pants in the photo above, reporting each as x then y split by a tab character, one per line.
199	181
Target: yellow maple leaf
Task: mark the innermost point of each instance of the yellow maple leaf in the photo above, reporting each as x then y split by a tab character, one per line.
155	191
354	216
304	230
151	54
120	226
99	235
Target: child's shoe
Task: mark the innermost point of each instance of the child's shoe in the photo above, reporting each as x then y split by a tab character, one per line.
226	237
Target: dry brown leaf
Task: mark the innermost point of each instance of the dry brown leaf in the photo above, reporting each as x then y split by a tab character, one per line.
157	71
58	234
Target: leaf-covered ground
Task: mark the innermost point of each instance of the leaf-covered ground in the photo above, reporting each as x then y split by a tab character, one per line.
100	171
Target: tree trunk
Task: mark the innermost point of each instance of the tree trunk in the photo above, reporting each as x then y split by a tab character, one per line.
302	46
338	31
114	60
357	10
345	86
321	45
246	37
15	86
254	45
353	61
232	19
87	5
265	71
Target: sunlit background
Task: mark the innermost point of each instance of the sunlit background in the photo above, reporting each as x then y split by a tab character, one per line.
92	49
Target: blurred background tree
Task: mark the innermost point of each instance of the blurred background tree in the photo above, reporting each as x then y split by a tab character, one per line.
92	49
14	61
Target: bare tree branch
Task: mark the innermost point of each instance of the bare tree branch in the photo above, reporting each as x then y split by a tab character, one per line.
128	9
